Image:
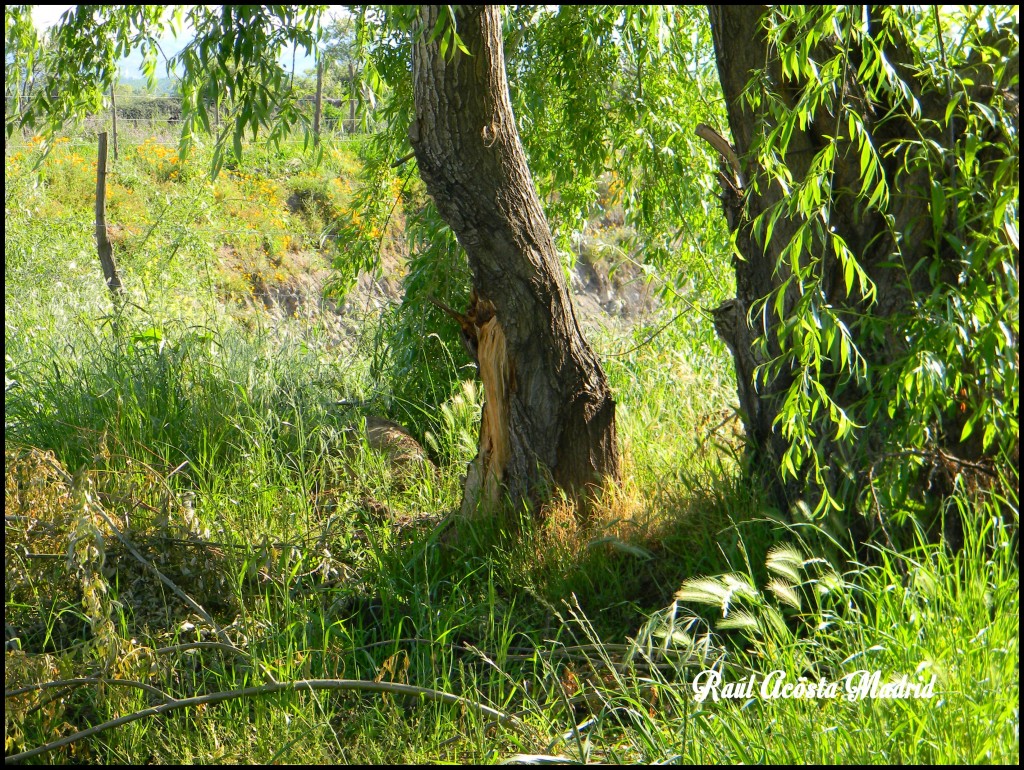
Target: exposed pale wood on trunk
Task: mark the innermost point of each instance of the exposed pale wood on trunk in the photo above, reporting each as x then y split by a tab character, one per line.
559	416
487	471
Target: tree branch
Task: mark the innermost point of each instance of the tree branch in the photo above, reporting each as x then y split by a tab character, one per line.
71	683
723	148
267	689
192	603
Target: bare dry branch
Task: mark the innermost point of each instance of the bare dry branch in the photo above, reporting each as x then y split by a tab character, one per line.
72	683
267	689
192	603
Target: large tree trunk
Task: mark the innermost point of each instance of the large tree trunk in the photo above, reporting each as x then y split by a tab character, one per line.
549	417
742	49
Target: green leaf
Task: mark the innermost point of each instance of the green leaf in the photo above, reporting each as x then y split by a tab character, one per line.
968	429
237	134
1010	228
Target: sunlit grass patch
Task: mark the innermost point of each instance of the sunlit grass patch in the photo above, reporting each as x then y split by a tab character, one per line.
229	447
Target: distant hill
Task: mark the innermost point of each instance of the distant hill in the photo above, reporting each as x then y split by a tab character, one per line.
163	85
130	67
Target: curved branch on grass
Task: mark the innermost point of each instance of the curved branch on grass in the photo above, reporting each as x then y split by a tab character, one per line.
267	689
73	683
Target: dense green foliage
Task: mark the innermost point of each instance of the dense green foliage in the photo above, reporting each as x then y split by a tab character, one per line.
939	371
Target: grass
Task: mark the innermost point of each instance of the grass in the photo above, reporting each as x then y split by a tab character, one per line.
214	442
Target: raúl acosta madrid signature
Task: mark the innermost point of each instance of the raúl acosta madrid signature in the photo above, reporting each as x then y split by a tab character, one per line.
856	685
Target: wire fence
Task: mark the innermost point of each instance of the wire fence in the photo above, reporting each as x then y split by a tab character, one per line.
176	143
85	143
74	224
166	120
85	223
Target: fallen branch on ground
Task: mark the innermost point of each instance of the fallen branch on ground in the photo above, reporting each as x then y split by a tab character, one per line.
72	683
267	689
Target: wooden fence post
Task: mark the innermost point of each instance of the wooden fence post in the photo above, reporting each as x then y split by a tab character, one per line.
106	251
113	117
351	98
318	107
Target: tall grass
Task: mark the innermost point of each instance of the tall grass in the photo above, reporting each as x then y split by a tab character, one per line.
227	452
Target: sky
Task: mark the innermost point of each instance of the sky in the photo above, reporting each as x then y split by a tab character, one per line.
45	16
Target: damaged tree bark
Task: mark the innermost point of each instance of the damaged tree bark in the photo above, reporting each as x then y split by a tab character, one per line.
549	417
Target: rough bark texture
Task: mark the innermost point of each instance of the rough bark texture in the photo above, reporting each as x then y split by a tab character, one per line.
741	49
549	415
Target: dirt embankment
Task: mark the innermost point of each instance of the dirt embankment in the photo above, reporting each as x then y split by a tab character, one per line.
607	287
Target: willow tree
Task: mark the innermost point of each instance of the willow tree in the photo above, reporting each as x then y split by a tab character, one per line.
594	90
872	192
869	174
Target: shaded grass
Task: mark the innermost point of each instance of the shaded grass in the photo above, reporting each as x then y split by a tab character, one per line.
221	452
477	614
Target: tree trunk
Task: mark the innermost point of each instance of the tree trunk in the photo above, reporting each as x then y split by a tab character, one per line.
549	415
742	49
